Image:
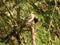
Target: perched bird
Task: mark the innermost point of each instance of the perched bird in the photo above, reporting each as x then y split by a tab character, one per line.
31	17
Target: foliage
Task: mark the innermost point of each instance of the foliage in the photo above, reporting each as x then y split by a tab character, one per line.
13	14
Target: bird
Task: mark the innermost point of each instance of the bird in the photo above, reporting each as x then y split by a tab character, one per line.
28	20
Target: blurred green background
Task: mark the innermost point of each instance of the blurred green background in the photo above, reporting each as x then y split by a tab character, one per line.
13	14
